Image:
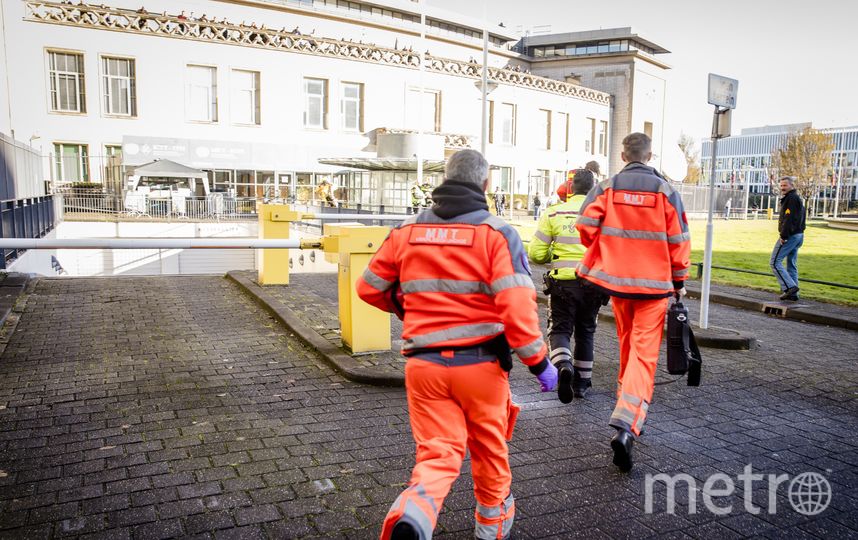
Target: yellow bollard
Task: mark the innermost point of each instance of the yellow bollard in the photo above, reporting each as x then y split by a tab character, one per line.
363	328
771	213
273	264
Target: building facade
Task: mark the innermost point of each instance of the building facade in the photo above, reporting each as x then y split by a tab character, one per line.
747	158
616	61
257	92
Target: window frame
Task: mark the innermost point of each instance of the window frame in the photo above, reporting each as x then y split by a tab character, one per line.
603	137
436	123
547	126
213	106
324	103
83	165
513	124
256	96
106	78
80	81
590	142
360	106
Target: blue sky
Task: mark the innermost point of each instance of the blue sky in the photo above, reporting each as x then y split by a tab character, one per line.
795	60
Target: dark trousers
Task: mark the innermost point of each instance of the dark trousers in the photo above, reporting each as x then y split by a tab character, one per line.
572	312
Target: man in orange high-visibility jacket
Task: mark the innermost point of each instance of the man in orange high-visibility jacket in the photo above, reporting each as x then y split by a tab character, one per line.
638	248
465	285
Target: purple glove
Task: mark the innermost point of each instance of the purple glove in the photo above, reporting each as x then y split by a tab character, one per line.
548	378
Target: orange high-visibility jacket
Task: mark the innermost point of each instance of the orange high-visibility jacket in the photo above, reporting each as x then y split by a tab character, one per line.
465	279
636	233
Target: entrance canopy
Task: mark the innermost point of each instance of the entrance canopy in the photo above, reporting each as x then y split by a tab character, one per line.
385	164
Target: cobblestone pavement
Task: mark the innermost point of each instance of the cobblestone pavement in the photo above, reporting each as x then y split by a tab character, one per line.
163	407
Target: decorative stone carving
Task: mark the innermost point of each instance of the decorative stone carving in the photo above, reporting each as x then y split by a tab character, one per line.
174	26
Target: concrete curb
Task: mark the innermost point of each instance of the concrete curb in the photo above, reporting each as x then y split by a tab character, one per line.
810	315
713	337
332	355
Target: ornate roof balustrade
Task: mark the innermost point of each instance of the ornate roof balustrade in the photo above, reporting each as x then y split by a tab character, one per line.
200	29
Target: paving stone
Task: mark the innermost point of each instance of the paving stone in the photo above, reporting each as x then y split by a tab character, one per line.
194	349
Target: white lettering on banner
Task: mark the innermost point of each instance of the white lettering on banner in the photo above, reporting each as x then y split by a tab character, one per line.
445	236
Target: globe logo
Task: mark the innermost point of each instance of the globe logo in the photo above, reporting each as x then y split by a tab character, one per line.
809	493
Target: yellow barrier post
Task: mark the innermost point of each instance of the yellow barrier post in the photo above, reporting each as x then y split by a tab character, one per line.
363	328
274	222
771	213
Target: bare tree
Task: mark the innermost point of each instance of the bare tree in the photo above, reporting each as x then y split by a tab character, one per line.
806	156
689	149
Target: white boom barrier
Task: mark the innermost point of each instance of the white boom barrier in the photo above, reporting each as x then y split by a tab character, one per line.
377	217
155	243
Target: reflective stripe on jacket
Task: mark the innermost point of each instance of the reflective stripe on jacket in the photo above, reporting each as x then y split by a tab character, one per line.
557	240
636	234
464	280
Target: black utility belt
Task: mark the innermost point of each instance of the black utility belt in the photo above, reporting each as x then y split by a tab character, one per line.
479	349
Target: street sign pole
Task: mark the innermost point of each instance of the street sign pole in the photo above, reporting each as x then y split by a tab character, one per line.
722	94
707	254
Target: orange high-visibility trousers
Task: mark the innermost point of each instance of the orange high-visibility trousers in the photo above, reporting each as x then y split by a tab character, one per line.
640	324
451	408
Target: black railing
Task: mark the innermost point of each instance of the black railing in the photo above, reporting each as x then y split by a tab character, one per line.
758	273
25	218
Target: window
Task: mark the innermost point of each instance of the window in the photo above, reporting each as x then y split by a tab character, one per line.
72	162
544	133
568	130
202	94
648	129
351	106
506	124
316	103
245	97
120	92
590	142
429	106
67	82
603	138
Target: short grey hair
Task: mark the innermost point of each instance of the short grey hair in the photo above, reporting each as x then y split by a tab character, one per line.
789	180
467	166
636	146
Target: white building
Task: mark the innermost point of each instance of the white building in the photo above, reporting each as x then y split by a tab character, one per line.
257	92
747	158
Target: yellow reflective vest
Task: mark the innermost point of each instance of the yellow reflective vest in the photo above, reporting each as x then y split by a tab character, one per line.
556	240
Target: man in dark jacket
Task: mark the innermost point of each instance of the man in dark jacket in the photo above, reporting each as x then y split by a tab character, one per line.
791	228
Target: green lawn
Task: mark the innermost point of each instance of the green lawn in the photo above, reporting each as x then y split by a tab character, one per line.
827	255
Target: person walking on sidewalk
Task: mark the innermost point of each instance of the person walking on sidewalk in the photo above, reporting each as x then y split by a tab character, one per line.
459	320
791	225
537	203
638	246
572	303
500	201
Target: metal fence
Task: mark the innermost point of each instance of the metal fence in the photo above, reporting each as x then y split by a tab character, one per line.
26	218
131	206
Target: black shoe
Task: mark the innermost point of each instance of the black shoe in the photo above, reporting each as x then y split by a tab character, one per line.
792	291
791	298
404	531
564	382
622	444
580	386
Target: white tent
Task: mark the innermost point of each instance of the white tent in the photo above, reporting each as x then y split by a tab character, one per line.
166	169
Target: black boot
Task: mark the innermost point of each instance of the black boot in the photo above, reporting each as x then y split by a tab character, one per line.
622	444
564	382
580	386
404	531
790	294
